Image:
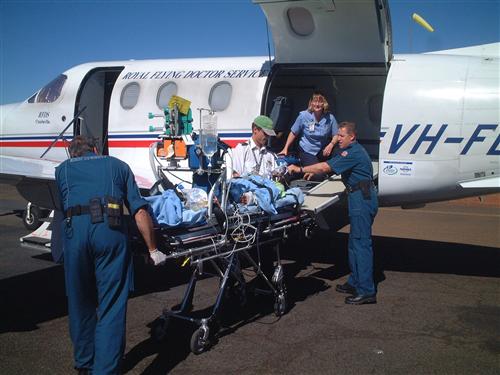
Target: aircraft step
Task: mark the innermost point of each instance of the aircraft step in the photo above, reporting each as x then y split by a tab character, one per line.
326	193
323	195
39	238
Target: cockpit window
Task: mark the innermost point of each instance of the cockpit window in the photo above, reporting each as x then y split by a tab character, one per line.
50	92
32	99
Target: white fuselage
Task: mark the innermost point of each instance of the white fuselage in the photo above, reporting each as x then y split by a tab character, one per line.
430	121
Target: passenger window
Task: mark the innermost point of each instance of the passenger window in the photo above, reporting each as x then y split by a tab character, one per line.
220	96
50	92
130	95
301	21
165	93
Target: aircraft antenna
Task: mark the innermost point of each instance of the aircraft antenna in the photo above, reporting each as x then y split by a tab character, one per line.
64	131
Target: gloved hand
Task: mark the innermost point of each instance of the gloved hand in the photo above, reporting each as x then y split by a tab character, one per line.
157	257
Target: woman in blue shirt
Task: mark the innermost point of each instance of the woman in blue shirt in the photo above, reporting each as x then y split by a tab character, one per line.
316	129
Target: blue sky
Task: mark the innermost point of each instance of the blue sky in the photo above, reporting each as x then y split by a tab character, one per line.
40	39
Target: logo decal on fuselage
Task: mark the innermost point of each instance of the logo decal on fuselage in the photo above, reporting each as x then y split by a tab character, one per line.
43	118
398	168
390	170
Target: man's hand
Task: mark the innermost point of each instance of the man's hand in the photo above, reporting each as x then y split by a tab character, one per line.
294	169
283	152
308	176
157	257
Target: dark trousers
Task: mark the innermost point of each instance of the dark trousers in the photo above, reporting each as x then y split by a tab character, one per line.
97	266
361	215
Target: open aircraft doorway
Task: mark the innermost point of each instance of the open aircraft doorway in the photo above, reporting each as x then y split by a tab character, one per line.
95	94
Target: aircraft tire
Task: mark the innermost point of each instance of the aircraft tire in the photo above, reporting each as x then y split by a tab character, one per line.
32	221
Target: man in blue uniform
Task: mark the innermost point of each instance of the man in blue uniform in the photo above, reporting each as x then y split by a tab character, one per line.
97	261
354	164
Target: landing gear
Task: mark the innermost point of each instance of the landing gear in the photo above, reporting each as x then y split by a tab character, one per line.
32	216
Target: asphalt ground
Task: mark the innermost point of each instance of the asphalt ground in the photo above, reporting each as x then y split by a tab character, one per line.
438	310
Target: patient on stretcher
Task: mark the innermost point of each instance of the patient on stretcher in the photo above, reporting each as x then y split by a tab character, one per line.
266	194
168	210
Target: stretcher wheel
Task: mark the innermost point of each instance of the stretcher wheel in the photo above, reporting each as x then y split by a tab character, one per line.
280	305
199	340
309	232
159	329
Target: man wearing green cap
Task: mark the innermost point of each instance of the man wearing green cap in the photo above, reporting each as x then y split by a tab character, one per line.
253	156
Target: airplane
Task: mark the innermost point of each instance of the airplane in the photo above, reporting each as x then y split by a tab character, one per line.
430	122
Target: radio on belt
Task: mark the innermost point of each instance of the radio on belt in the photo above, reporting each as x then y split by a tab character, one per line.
114	208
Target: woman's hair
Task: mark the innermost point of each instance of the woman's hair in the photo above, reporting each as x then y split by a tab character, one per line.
318	94
80	145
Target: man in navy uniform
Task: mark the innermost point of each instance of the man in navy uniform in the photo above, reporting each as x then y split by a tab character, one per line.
97	261
354	164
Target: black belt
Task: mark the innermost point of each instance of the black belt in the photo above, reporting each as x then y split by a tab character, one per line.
80	210
358	186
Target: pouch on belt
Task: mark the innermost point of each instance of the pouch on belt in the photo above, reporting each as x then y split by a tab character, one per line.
114	209
95	211
365	187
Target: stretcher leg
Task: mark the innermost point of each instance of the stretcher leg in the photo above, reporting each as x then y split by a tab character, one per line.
187	301
224	256
200	338
277	285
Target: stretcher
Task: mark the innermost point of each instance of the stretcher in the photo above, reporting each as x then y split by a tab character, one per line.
218	248
232	235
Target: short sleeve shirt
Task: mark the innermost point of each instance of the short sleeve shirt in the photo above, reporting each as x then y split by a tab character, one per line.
91	176
248	158
314	135
353	163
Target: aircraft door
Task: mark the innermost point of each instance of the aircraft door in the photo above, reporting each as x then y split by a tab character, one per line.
327	31
95	94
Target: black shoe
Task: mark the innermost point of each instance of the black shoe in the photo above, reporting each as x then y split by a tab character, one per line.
83	371
360	299
345	288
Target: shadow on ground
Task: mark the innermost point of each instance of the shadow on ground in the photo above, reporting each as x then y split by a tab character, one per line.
32	298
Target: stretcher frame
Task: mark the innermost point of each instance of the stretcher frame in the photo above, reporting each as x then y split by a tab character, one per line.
212	244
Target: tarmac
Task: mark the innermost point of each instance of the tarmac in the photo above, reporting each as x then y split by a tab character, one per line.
438	310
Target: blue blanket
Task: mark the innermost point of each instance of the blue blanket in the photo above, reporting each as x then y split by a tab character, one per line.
267	194
167	210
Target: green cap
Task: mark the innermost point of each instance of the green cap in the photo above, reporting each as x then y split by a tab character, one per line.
265	123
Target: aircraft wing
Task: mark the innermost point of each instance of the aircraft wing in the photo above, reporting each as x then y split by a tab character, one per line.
483	50
483	183
35	178
27	167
